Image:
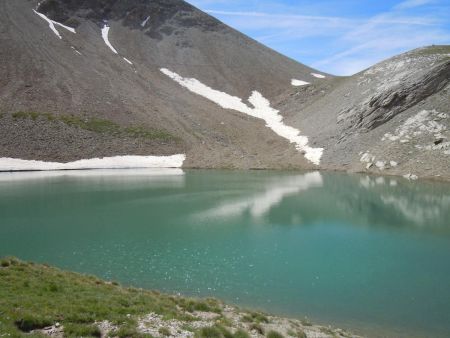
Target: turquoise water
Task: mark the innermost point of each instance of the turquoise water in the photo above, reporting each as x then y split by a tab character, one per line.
367	253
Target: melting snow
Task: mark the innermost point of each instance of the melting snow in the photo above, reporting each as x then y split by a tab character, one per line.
128	61
105	32
319	76
261	109
117	162
298	83
145	21
52	24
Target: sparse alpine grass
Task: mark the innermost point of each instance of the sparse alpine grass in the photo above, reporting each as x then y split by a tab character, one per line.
98	125
34	296
274	334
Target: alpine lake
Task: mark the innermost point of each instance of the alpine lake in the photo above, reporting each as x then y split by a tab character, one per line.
366	253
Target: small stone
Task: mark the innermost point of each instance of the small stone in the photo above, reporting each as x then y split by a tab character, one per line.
393	164
438	141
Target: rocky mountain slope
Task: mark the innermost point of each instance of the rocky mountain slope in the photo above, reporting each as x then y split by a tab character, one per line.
85	79
392	118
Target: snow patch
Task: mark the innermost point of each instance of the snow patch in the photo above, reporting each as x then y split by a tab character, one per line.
298	83
319	76
128	61
75	50
105	33
261	109
144	23
52	24
117	162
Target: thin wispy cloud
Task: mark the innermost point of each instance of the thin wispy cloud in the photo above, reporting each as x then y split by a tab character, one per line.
341	39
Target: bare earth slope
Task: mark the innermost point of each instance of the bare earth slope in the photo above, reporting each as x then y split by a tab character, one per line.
78	74
83	79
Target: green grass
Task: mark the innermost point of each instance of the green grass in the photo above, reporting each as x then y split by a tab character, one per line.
219	331
98	125
255	317
35	296
274	334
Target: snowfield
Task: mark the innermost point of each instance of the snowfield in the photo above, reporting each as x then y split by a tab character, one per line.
298	83
52	24
117	162
105	33
319	76
261	110
128	61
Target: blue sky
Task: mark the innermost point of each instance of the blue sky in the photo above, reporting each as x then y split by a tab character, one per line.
337	36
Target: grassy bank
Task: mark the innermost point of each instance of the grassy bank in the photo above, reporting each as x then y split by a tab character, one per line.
41	301
98	125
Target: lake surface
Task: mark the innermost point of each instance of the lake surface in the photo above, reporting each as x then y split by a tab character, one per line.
367	253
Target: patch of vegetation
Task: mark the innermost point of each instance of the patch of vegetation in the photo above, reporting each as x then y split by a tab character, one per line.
219	331
257	327
207	305
164	331
256	317
241	334
34	296
274	334
97	125
434	49
81	330
127	331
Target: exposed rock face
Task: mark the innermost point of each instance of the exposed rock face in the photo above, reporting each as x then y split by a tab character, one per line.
386	119
394	98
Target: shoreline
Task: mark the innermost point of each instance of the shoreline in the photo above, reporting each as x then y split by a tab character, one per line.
125	168
56	303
